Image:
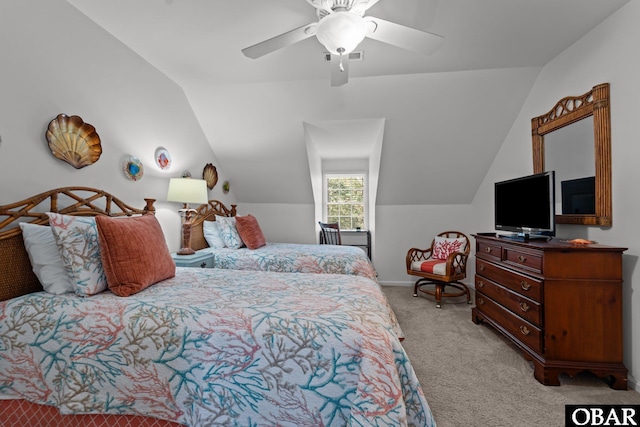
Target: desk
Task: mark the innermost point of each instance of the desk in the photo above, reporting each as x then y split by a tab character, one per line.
361	239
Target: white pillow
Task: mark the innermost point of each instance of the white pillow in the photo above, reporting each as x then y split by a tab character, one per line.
443	246
79	246
45	258
228	232
211	230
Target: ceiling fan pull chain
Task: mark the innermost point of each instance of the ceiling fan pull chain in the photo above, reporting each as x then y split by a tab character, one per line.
341	51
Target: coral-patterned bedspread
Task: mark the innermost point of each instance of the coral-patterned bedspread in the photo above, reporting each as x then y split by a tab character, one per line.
296	258
217	347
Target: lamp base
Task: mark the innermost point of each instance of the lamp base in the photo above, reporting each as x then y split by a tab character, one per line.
186	251
185	247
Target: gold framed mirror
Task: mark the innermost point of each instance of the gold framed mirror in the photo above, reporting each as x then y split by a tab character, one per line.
574	112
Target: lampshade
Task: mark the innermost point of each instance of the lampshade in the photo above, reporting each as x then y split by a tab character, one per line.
187	190
340	32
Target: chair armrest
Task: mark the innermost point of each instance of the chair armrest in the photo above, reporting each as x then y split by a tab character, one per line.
457	263
415	254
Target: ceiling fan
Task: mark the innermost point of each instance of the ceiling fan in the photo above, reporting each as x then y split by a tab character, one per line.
341	27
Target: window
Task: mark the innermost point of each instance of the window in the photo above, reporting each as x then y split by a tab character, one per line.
345	196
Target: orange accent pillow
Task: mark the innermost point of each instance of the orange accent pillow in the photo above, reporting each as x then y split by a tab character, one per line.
250	232
134	253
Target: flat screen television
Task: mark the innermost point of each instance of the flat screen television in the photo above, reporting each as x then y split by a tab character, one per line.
526	206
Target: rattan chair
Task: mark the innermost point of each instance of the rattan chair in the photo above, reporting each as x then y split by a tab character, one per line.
441	266
330	233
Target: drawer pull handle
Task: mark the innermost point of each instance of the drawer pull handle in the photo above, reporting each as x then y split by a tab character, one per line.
482	267
525	331
525	286
488	249
524	307
522	258
203	265
480	284
480	301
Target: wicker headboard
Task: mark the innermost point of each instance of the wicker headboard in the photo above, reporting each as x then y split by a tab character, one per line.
203	213
16	275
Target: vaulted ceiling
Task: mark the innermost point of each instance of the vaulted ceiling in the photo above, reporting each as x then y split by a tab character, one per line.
445	114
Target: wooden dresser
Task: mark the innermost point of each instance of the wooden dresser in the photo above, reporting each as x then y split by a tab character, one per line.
560	303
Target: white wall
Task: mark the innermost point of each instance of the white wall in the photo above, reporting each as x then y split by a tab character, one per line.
283	223
55	60
606	54
399	228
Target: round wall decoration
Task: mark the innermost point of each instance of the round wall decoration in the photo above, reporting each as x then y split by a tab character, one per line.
74	141
163	158
210	174
132	168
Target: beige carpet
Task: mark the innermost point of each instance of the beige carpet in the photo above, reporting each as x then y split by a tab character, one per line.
472	376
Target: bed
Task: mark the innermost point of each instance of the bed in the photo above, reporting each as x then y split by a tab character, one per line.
204	347
282	257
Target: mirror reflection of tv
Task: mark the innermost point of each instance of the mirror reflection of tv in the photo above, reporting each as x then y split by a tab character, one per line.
579	196
525	206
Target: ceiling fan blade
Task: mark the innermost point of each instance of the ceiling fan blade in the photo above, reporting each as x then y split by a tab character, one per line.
366	4
283	40
402	36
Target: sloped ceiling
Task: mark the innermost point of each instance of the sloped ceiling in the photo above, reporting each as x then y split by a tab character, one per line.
445	115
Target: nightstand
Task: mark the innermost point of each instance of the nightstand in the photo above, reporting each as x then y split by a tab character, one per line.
199	259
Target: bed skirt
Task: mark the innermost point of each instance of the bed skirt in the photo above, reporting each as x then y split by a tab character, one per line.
21	413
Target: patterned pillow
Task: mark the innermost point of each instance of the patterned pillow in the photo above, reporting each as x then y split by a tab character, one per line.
443	246
229	232
211	231
77	239
45	258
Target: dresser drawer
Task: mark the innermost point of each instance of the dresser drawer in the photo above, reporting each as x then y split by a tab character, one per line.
520	283
198	260
521	330
523	259
489	250
523	307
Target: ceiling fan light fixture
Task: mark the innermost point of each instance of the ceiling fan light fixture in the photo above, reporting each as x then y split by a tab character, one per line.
341	32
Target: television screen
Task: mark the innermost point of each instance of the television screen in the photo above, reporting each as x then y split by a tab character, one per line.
526	205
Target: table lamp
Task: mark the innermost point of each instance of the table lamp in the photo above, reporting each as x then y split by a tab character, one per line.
187	190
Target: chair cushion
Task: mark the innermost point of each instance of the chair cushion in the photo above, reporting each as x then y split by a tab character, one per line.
433	266
445	246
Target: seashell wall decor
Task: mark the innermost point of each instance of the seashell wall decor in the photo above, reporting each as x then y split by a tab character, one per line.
210	174
132	168
74	141
163	158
